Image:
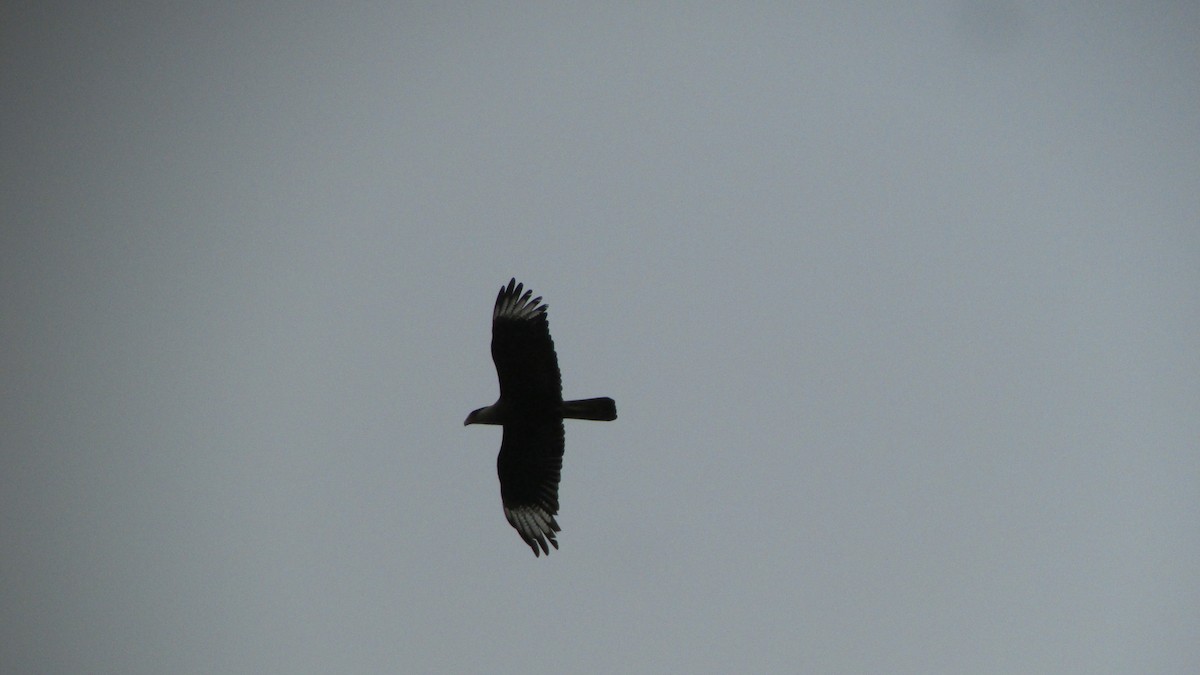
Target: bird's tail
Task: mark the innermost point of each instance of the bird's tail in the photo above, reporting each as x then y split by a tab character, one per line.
600	409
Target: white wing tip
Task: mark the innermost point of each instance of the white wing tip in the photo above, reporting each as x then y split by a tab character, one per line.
535	525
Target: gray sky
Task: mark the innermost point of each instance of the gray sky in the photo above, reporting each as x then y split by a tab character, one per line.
899	305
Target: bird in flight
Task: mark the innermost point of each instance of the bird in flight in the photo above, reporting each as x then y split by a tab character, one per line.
531	409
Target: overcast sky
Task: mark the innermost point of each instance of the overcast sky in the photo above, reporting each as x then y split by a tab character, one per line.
900	306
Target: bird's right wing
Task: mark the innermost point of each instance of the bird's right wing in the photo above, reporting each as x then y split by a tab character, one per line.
530	465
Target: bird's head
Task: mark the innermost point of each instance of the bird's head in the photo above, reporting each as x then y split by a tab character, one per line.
492	414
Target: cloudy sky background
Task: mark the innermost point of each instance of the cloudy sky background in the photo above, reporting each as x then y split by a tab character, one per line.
899	303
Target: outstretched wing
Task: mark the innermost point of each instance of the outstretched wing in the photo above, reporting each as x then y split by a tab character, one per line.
530	464
523	351
530	461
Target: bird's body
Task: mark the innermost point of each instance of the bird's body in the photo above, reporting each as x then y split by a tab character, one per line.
531	410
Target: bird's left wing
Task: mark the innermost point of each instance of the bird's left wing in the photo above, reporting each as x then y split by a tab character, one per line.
523	351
